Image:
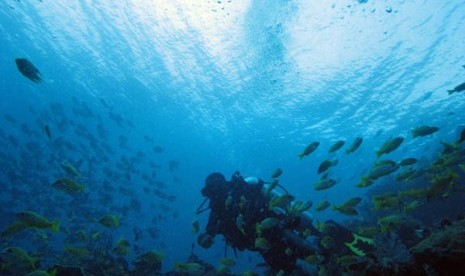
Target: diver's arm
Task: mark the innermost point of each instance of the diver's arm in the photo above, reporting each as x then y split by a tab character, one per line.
206	239
212	226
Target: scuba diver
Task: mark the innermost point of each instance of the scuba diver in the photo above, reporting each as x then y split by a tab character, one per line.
252	217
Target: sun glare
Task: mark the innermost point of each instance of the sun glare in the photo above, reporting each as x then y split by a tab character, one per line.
213	27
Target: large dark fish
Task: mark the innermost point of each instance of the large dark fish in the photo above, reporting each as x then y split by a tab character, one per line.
325	165
27	69
47	131
336	146
462	137
423	131
309	149
389	146
458	88
355	145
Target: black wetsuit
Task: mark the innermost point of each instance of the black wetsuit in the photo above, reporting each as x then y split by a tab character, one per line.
238	198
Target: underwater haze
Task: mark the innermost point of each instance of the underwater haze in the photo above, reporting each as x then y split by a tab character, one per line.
113	113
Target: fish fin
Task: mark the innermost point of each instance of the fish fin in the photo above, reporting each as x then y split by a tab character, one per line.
450	91
355	249
82	188
363	239
56	226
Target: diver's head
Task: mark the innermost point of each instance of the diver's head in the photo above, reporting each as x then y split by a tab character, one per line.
213	183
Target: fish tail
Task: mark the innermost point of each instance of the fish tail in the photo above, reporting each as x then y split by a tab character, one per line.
379	153
56	226
82	188
450	91
301	156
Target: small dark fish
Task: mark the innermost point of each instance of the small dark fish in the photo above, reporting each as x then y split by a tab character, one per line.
384	163
323	205
462	137
408	161
158	149
27	69
353	201
406	175
382	170
104	103
336	146
389	146
423	131
309	149
324	184
458	88
325	165
348	207
47	131
118	119
355	145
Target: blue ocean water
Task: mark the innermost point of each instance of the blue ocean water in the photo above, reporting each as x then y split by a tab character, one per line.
146	98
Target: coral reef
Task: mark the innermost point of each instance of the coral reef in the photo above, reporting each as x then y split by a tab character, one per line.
444	250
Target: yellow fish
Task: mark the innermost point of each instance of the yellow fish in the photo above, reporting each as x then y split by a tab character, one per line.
122	247
68	168
34	220
191	268
69	186
111	221
17	255
262	243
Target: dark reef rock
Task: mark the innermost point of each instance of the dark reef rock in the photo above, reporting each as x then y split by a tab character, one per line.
443	250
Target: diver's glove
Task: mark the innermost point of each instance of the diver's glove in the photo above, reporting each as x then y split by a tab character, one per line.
205	240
